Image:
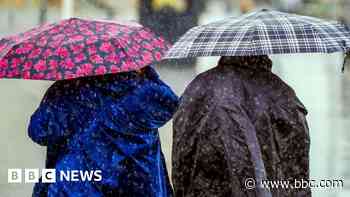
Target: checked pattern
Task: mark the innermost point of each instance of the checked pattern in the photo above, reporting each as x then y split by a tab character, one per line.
263	32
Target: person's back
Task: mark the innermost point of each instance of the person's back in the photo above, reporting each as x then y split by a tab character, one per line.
235	122
107	123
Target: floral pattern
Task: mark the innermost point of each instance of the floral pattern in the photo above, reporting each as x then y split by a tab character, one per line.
77	48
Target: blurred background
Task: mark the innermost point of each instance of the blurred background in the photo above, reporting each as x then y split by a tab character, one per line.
316	78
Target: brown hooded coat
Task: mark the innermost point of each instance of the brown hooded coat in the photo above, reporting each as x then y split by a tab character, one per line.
239	121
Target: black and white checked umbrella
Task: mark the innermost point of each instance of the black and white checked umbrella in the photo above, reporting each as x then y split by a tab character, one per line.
262	32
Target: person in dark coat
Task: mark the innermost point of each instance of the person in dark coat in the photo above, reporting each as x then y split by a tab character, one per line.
239	122
168	20
171	22
108	123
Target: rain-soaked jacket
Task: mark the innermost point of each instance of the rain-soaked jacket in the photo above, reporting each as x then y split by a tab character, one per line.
108	123
238	123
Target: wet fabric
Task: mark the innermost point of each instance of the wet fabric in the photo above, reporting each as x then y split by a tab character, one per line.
76	47
262	32
239	121
108	123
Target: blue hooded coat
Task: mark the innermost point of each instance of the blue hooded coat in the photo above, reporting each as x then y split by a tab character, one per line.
108	123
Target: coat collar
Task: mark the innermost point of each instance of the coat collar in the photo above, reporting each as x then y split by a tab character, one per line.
254	62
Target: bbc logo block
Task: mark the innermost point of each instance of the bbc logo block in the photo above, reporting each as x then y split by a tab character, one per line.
31	175
48	175
14	175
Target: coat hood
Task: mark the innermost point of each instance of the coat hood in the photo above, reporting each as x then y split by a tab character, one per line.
141	97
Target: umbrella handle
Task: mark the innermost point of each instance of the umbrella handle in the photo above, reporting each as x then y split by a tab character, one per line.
346	57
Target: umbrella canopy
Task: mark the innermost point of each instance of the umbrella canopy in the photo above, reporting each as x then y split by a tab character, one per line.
262	32
76	48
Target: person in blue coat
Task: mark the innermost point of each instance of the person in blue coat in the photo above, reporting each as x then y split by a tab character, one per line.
109	124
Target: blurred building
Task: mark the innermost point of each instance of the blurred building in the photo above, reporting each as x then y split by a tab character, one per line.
343	11
13	3
247	5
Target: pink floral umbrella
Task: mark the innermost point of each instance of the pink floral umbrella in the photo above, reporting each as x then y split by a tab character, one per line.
77	48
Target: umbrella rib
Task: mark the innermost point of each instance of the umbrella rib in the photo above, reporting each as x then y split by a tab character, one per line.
323	32
256	24
15	43
261	33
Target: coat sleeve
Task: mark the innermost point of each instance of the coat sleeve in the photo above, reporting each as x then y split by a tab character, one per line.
293	137
130	125
49	123
149	107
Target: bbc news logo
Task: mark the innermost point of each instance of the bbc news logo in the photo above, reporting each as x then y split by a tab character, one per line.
51	175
